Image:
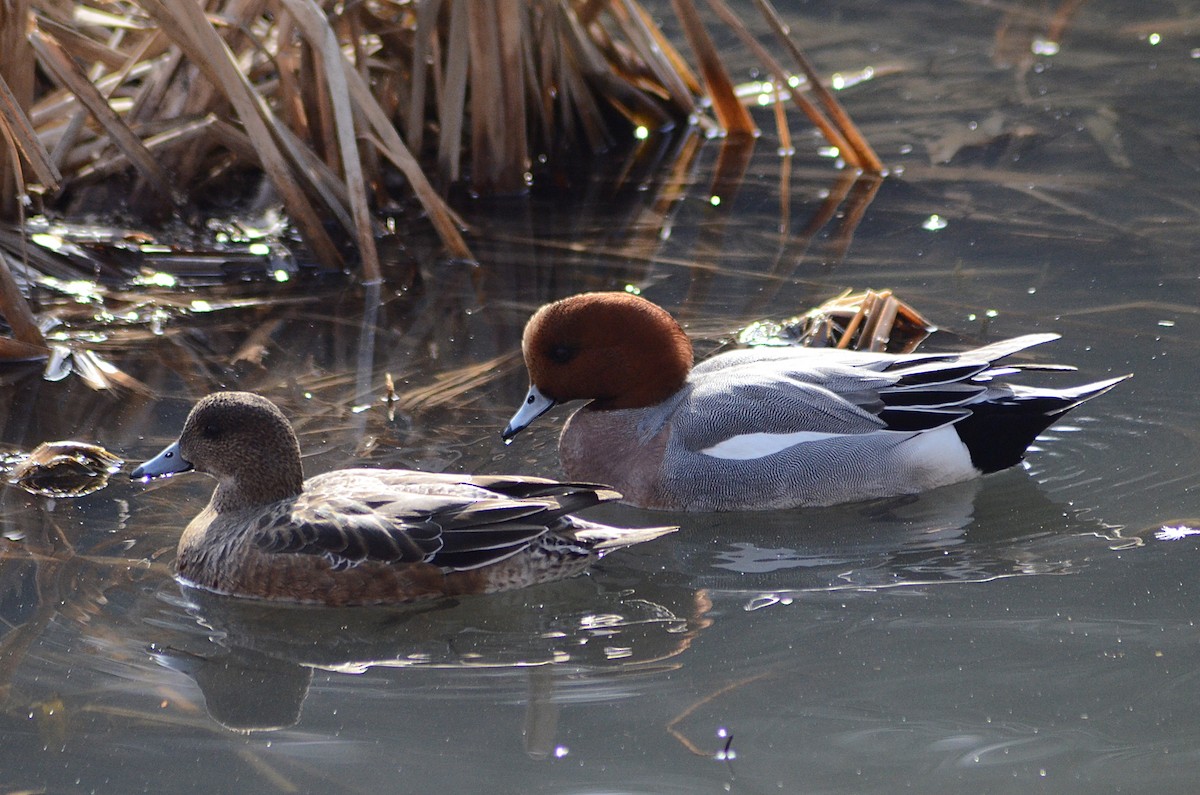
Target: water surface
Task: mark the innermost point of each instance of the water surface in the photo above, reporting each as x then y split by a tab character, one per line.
1029	631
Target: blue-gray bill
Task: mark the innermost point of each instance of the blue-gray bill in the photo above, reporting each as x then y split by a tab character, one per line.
168	462
535	405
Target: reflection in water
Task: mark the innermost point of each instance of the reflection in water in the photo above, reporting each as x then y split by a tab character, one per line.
997	528
245	690
266	653
977	531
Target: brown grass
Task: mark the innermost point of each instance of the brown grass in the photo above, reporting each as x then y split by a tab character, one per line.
176	97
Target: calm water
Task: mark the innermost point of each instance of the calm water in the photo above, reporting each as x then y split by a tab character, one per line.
1033	631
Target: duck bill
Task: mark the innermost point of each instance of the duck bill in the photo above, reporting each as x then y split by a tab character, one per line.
169	462
536	404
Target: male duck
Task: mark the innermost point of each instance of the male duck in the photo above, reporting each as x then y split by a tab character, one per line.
770	427
366	536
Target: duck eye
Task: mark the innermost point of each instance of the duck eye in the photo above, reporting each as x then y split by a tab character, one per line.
210	431
561	354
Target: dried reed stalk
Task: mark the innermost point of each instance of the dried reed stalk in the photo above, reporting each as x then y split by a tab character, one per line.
312	93
779	75
17	75
732	115
863	153
24	137
28	342
66	71
325	44
192	32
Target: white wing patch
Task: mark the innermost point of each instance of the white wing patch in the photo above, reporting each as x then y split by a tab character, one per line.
745	446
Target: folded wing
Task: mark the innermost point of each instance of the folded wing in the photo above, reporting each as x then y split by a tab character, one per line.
398	517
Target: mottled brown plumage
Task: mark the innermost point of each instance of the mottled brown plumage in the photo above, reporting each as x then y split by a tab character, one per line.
366	536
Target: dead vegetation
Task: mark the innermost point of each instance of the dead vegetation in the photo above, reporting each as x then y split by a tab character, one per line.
348	107
336	111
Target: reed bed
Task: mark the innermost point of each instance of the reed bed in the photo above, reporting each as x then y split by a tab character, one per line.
345	108
334	111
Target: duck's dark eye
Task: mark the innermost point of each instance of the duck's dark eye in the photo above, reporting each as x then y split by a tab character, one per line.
210	431
561	354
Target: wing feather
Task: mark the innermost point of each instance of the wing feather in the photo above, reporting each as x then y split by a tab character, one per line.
397	517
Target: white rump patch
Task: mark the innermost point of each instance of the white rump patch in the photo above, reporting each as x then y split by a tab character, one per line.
940	456
760	445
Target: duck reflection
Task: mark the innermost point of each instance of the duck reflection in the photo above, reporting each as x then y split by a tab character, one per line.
254	661
976	531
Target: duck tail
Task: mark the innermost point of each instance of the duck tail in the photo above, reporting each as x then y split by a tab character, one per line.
604	539
1000	428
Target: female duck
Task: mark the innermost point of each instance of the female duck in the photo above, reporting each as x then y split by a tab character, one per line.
770	427
366	536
